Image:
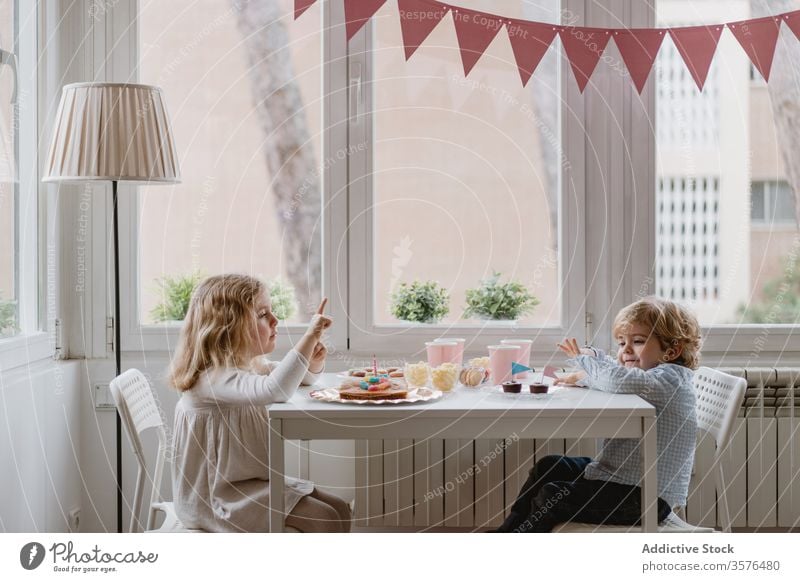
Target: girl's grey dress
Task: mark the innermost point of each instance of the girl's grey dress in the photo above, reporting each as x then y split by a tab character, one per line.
221	465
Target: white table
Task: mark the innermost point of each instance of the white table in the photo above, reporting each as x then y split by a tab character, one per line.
466	413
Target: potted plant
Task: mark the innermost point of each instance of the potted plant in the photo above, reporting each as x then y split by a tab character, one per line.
8	317
420	302
284	303
499	301
175	293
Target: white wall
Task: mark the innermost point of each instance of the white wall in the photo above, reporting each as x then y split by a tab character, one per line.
40	446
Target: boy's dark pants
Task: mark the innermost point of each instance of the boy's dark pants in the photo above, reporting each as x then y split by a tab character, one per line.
556	491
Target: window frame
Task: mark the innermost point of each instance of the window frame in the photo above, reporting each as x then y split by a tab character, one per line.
617	251
745	344
137	336
31	343
366	337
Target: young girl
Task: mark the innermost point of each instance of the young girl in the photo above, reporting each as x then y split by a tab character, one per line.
659	344
221	467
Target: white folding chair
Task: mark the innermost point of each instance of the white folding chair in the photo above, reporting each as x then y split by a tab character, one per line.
138	409
718	399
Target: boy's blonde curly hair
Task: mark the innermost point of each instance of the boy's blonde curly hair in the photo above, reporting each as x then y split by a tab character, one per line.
674	325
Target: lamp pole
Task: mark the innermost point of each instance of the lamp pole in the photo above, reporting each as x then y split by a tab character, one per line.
117	352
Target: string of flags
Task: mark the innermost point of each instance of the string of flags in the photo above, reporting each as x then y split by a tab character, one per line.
584	46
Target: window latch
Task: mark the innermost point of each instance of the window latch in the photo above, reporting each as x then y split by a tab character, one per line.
356	98
110	333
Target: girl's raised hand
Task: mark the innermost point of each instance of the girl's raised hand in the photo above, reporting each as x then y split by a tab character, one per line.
317	361
319	322
570	347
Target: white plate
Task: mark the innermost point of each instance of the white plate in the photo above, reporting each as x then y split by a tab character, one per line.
414	395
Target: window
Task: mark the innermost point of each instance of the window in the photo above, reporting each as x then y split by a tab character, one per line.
772	203
466	173
9	182
459	178
19	209
243	84
266	142
727	236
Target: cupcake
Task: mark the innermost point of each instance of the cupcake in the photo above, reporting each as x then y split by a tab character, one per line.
512	387
537	388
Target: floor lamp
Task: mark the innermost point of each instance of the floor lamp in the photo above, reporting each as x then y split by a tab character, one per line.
112	132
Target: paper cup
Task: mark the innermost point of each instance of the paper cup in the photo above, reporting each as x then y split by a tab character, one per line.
523	354
441	352
459	361
500	358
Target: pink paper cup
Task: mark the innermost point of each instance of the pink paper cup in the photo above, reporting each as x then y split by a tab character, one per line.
523	355
500	358
459	356
441	352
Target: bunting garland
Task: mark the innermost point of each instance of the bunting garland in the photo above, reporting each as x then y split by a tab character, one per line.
697	45
758	39
475	32
638	49
417	21
529	41
584	46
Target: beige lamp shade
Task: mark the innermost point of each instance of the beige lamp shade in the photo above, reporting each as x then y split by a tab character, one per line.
112	131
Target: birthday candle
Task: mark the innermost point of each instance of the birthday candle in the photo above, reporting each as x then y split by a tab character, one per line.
374	365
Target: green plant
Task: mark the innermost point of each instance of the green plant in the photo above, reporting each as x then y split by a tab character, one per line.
284	303
8	317
781	299
175	293
495	300
421	302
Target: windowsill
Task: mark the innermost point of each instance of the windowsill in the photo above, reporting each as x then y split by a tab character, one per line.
787	226
726	345
24	349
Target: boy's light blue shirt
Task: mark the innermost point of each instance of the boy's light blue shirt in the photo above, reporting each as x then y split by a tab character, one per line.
669	388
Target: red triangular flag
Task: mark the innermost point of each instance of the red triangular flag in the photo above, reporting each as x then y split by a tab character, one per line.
529	41
639	48
357	12
475	31
584	47
697	45
758	38
792	20
418	18
301	6
550	372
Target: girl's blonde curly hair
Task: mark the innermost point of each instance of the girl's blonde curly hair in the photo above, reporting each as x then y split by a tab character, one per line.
218	328
673	324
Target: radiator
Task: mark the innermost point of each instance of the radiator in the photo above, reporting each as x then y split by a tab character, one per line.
472	483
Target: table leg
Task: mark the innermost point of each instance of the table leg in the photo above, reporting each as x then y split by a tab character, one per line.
277	471
650	480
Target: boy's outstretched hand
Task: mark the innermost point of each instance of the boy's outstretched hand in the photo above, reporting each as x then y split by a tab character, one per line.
570	347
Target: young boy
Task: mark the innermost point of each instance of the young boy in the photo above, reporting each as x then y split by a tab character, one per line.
659	343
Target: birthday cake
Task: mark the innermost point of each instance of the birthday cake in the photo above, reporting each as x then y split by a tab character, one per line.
379	387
